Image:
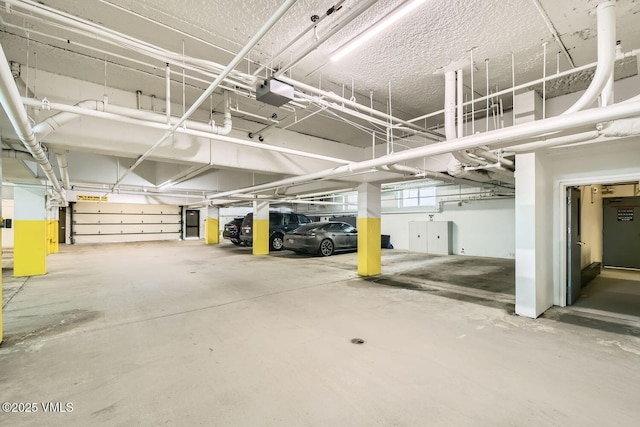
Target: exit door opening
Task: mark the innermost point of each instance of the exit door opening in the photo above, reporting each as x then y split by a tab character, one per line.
192	223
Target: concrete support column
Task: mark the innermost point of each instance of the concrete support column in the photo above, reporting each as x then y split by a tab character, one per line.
30	228
534	237
52	230
260	228
212	226
369	238
1	326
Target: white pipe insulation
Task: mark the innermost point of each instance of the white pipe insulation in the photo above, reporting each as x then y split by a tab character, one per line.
10	100
511	136
462	158
606	22
282	10
156	122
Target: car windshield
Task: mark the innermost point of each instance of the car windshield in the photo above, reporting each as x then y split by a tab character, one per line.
307	227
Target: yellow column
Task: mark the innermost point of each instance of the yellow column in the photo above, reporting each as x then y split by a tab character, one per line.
260	228
212	231
52	236
212	226
30	232
369	229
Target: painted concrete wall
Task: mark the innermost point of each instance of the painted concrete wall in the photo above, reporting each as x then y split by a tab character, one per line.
7	233
480	228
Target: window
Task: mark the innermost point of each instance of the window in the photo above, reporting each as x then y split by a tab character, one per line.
414	197
351	202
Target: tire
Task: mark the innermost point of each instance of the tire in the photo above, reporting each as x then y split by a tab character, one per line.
276	243
326	248
236	242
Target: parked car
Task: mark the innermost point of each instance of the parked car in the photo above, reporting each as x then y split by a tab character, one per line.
322	238
279	224
232	230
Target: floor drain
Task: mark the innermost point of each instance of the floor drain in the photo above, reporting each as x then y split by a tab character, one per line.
357	341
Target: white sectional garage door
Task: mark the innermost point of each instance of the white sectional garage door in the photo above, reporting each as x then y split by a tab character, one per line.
98	222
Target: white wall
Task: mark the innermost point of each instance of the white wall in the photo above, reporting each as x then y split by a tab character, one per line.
7	233
480	227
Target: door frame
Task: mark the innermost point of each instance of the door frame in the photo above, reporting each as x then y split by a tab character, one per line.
186	227
560	227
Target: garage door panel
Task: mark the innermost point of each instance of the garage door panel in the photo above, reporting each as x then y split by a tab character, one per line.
103	222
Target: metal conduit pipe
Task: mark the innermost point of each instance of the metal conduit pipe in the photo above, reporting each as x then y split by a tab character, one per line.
606	22
362	108
81	26
313	25
52	123
10	100
160	125
510	136
282	10
353	15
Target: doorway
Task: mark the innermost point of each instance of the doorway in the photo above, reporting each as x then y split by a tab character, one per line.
621	232
192	223
62	225
602	236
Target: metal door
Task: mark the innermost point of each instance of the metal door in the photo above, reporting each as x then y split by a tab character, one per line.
418	236
62	225
193	223
573	245
621	232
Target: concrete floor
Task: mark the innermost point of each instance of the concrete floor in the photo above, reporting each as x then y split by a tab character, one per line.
186	334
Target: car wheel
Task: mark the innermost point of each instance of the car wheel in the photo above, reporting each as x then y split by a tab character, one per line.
326	247
235	242
276	243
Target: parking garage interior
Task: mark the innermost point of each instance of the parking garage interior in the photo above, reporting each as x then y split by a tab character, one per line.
487	183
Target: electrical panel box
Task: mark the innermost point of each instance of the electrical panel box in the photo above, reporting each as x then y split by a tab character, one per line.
274	92
439	237
432	237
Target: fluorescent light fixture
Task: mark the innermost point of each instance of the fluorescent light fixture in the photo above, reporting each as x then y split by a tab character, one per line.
376	28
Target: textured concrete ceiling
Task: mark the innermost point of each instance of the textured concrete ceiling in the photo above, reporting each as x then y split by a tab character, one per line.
406	61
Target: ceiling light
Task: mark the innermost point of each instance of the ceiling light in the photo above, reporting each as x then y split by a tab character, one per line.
376	28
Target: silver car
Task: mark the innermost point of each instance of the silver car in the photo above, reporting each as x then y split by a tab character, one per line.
322	238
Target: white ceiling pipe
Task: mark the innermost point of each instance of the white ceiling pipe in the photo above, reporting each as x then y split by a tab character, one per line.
233	85
363	6
460	103
330	95
82	27
443	177
160	125
606	21
313	25
10	100
52	123
63	165
477	156
511	135
235	61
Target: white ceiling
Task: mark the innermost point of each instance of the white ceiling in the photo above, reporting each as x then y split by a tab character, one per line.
406	61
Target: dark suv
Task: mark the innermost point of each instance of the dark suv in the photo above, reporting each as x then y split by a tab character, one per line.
279	223
232	230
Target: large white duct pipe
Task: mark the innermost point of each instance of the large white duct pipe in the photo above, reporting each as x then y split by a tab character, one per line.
511	136
52	123
158	123
10	99
606	17
63	165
